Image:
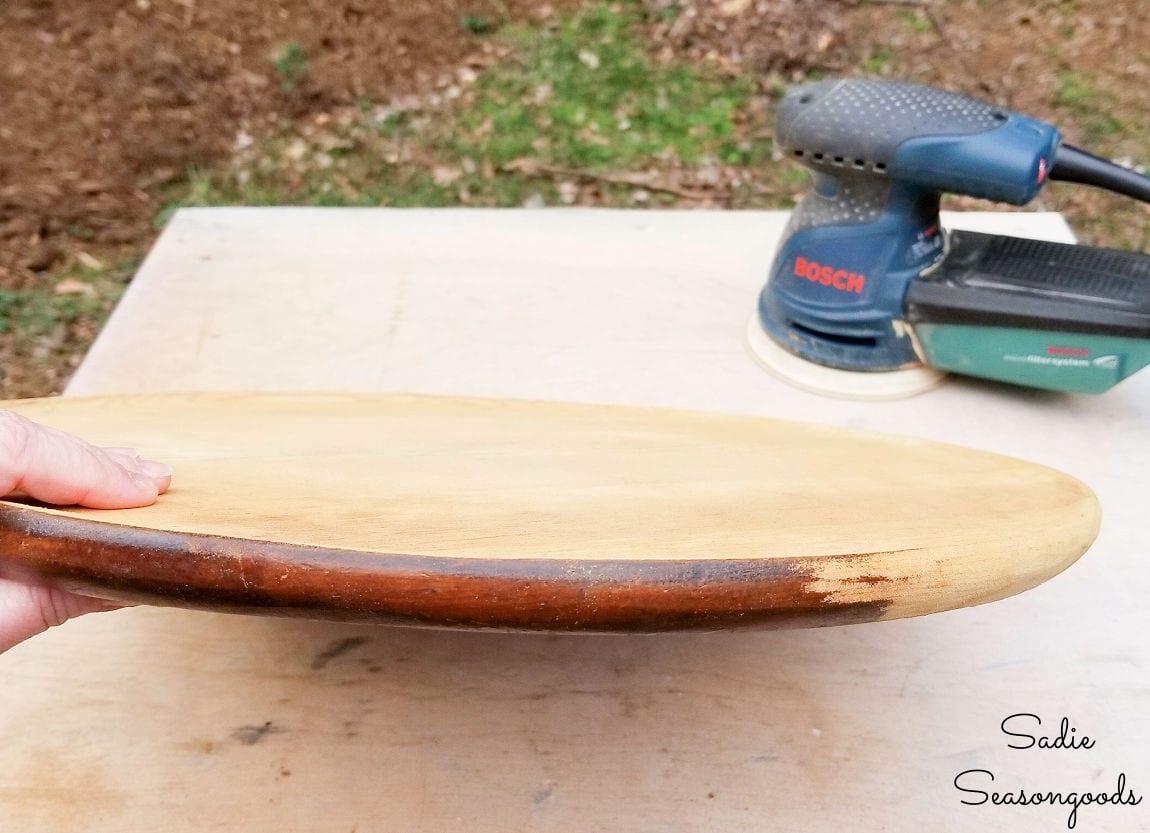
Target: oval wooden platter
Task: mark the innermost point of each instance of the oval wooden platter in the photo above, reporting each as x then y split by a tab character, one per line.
522	515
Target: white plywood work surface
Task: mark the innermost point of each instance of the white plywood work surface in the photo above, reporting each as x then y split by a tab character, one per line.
147	718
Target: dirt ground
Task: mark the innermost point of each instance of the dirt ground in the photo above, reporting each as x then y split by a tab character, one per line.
106	103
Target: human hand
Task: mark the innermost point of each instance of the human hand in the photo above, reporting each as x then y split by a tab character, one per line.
59	468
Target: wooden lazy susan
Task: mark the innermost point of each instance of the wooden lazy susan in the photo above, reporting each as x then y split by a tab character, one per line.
505	514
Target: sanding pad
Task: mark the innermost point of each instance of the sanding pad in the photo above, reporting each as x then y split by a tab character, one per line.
831	381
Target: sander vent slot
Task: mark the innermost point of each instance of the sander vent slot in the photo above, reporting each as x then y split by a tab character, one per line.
841	161
833	338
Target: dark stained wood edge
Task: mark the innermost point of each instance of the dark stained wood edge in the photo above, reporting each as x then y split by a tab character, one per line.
136	565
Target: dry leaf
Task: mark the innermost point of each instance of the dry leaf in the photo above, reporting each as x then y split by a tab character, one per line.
74	286
443	175
521	165
89	261
732	8
296	150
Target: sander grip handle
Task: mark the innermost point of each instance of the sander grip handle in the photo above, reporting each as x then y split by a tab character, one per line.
924	138
860	123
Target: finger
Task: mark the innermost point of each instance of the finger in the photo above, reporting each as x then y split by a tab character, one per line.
130	459
126	456
57	467
26	610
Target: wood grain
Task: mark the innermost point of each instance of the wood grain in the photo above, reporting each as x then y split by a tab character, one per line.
537	516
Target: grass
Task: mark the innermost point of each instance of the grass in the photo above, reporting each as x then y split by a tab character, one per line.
578	102
880	61
1089	107
587	95
291	66
52	324
478	24
69	297
914	20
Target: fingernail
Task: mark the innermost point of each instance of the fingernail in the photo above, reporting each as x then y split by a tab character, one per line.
155	469
143	482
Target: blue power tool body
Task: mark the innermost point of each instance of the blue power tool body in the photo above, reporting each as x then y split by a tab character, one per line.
865	279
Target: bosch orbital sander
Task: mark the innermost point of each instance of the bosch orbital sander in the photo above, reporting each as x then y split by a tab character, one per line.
870	297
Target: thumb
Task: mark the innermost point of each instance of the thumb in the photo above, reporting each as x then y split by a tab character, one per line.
57	467
26	610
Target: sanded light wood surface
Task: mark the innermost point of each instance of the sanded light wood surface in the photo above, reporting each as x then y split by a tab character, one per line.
503	513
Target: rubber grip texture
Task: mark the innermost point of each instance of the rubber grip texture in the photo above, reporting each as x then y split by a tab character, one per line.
859	124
